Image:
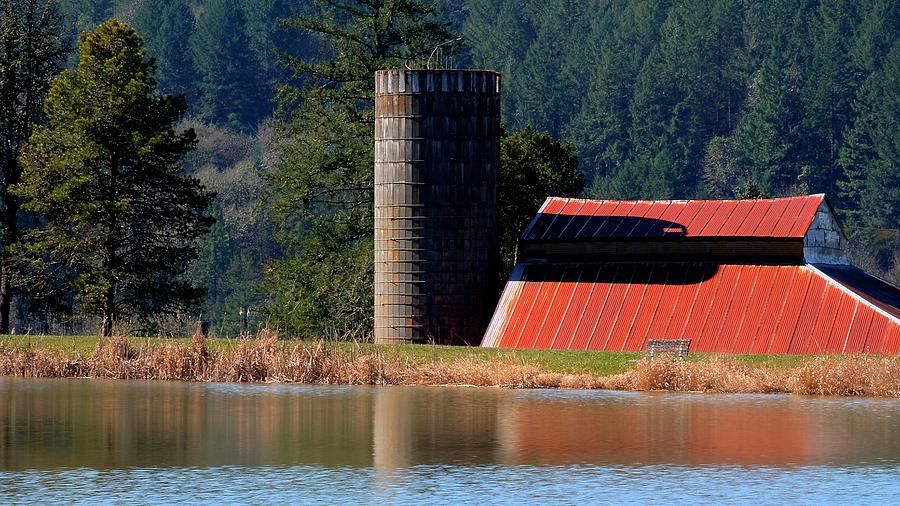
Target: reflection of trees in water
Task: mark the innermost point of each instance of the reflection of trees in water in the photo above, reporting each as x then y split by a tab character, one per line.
115	424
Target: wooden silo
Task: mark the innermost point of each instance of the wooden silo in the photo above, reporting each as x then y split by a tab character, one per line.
436	156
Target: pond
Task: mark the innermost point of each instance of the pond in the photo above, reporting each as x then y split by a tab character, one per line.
150	442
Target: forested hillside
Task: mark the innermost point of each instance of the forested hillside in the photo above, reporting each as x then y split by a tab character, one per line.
659	99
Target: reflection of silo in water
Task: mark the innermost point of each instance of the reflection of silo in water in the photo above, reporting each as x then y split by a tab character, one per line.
436	156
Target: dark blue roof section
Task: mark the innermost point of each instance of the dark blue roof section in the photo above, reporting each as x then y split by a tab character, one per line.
876	291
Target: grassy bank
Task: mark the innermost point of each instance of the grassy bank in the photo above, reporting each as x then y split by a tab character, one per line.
268	359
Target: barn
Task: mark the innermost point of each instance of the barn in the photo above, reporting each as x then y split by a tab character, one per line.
731	276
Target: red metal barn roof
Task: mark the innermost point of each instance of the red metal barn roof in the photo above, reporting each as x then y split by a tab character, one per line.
740	276
567	219
722	308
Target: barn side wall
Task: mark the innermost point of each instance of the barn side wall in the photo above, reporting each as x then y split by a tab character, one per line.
824	242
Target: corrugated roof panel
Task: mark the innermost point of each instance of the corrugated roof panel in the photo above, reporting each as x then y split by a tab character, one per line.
690	215
756	310
563	218
892	340
611	221
821	328
562	305
707	212
544	219
737	307
631	301
626	224
765	227
534	277
840	329
806	318
711	328
650	303
783	338
877	334
604	211
700	310
600	330
770	315
533	326
674	290
670	219
786	223
651	225
859	328
739	215
578	306
583	219
805	217
727	308
687	299
754	217
723	214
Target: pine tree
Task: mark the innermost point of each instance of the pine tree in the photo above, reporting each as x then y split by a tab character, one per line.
231	87
767	144
85	14
166	26
32	50
532	166
687	93
105	178
870	159
499	34
828	90
323	188
600	130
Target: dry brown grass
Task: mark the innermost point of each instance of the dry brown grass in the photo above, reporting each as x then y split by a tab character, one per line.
266	359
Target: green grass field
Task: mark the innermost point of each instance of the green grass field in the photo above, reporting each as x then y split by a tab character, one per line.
600	363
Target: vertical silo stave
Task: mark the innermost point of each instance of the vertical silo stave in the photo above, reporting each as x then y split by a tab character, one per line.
436	157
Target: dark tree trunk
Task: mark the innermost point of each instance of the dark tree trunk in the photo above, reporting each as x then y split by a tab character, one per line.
10	236
109	310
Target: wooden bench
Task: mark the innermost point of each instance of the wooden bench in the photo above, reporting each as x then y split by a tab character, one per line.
677	347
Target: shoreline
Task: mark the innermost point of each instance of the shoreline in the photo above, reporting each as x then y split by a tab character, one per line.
265	359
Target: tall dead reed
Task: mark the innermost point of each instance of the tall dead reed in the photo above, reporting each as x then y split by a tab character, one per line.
268	359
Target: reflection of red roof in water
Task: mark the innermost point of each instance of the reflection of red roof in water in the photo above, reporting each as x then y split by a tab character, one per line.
794	296
680	433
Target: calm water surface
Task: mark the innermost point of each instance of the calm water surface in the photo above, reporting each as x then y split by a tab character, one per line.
152	442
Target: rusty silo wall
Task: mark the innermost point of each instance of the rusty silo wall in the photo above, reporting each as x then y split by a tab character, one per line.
436	157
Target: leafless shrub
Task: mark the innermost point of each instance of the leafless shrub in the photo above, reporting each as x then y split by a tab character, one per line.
268	359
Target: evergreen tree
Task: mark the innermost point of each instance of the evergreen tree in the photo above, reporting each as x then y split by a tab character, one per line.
499	35
166	26
84	15
32	50
600	130
870	158
828	90
323	188
105	178
231	89
768	140
686	93
532	166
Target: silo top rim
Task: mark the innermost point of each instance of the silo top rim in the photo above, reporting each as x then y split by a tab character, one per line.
487	71
414	81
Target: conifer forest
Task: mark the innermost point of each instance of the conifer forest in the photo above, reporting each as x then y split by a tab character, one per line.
172	160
